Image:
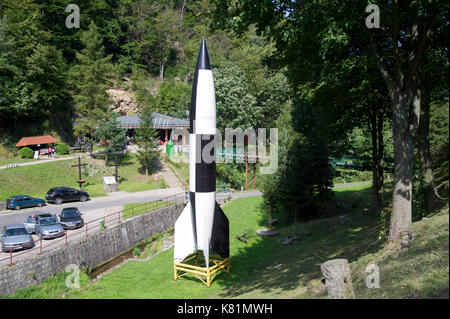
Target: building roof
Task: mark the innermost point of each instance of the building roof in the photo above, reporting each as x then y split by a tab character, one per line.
35	140
160	121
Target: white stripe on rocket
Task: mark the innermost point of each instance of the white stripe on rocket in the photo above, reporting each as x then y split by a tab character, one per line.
205	114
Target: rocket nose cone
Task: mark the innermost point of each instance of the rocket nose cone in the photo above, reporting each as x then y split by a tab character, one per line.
203	57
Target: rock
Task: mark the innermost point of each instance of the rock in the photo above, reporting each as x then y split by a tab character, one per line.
123	102
274	267
347	206
404	244
267	232
344	219
338	279
290	240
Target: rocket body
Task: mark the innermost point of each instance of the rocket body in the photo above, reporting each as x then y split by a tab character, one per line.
202	225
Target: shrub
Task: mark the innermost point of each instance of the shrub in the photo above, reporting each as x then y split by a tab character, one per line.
26	152
62	148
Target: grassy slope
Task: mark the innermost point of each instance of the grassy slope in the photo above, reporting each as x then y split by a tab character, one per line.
420	272
36	180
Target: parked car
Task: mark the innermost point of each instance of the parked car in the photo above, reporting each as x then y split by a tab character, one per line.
58	195
70	218
30	223
16	237
23	201
47	226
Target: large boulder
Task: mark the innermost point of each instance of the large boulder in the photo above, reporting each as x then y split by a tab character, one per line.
123	102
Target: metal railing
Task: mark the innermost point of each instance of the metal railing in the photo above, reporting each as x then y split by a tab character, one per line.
93	226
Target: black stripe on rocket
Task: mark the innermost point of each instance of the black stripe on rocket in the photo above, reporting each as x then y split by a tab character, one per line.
205	167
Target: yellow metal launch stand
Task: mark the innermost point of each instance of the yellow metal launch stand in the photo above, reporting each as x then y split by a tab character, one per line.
195	264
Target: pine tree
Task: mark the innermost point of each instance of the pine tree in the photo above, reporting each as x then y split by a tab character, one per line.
90	77
146	137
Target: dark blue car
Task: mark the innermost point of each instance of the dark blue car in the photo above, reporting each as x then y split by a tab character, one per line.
23	201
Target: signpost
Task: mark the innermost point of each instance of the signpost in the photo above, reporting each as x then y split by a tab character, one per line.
80	181
116	164
156	178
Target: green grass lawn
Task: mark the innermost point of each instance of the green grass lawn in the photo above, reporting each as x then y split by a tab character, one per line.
265	268
36	180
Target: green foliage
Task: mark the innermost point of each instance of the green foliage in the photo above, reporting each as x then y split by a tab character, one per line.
174	98
90	78
136	251
62	148
108	134
26	152
147	139
32	82
236	107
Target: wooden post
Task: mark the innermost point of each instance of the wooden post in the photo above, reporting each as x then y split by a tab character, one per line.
246	170
338	279
175	277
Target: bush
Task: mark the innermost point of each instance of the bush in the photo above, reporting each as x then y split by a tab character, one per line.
26	152
62	148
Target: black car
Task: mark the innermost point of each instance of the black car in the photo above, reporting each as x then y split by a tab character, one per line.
70	218
58	195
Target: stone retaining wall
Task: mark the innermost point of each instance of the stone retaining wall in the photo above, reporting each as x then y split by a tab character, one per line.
90	251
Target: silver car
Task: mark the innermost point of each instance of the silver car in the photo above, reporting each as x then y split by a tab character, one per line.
16	237
30	223
47	226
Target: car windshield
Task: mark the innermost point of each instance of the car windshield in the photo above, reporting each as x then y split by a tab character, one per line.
70	213
48	221
16	232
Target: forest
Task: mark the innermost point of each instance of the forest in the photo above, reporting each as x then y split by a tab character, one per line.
331	85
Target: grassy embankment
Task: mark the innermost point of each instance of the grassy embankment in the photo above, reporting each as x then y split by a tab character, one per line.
265	268
36	180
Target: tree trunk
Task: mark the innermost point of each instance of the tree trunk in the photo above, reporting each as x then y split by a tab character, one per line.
146	173
375	179
380	175
401	216
161	70
376	128
425	160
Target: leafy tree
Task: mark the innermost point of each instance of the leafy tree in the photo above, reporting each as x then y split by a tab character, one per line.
338	39
236	108
32	81
173	98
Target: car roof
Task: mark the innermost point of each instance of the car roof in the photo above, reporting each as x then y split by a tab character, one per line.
44	215
12	226
70	208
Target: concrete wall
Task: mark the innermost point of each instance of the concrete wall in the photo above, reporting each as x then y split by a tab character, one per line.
90	251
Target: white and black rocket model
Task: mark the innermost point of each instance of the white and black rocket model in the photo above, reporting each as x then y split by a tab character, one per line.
202	225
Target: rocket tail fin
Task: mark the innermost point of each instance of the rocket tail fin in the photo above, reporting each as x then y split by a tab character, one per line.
220	239
184	238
